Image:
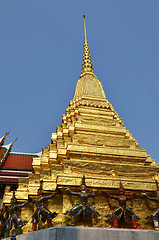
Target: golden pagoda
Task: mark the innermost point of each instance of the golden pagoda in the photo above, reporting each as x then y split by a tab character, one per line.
91	140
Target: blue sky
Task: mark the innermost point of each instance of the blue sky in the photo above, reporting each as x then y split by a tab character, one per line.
41	46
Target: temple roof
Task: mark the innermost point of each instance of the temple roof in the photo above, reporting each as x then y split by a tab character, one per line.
14	165
19	161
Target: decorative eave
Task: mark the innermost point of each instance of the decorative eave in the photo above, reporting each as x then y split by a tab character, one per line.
27	154
6	152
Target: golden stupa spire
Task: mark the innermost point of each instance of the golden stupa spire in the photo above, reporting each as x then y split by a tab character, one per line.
87	66
85	33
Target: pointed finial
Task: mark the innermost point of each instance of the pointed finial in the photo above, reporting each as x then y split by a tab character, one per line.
2	140
157	184
85	33
40	190
83	180
121	185
41	182
14	193
7	133
14	140
13	199
87	66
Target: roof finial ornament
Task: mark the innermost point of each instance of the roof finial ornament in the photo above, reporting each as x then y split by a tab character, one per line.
85	33
83	180
87	66
7	133
2	140
121	185
14	140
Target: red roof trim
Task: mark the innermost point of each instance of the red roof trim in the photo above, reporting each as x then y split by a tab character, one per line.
2	152
8	180
13	174
16	169
24	154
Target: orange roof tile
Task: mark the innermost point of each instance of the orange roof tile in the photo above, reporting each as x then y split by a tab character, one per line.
19	161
